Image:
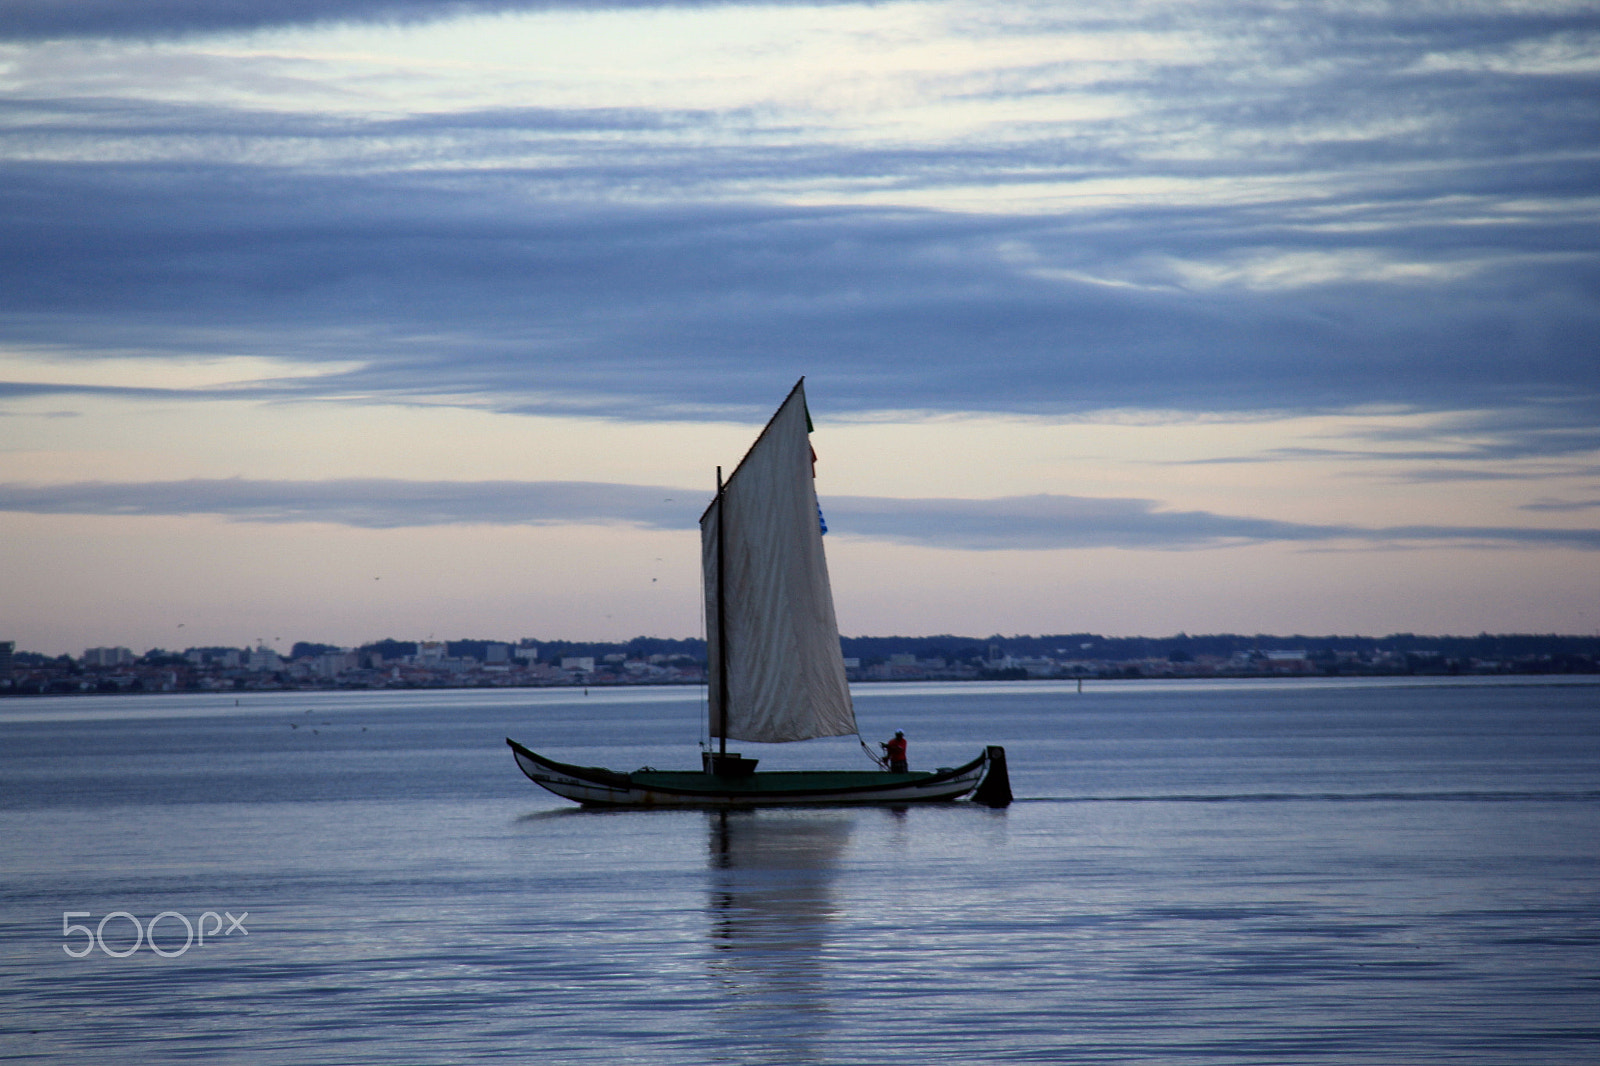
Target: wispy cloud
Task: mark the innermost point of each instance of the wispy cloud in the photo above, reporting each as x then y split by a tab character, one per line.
51	19
1562	506
1050	522
1039	522
370	503
1458	446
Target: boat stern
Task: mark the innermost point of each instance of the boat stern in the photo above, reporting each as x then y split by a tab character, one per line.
995	789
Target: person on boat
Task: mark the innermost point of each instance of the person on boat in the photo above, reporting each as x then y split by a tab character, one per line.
895	752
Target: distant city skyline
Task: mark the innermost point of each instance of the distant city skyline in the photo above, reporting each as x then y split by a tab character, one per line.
491	664
408	317
963	646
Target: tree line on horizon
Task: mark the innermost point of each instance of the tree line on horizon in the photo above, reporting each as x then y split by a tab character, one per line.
1089	646
1180	647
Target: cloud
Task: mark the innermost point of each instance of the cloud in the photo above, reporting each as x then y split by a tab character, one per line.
1383	205
1037	523
1050	522
456	287
1562	505
1441	448
25	20
370	503
1053	521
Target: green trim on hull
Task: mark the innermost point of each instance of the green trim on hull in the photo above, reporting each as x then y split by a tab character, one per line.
769	781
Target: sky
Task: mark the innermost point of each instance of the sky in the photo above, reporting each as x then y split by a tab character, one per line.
338	320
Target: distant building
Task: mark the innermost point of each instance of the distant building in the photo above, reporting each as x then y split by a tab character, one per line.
1287	662
332	664
107	657
584	663
264	660
497	653
7	647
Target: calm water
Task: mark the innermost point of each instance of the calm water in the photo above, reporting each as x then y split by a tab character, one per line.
1256	872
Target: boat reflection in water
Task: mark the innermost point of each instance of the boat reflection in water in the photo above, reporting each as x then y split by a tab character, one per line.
771	905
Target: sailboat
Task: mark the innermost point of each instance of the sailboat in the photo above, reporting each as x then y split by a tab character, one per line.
775	671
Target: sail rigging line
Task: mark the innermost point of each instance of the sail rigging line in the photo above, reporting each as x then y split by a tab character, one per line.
883	763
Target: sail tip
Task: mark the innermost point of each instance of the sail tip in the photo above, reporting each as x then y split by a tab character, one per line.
799	387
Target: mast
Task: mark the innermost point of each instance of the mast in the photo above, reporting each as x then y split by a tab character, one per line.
722	626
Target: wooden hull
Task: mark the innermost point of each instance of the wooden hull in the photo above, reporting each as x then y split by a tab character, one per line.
596	787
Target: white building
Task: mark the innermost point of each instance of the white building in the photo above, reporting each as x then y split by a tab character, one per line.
264	659
332	664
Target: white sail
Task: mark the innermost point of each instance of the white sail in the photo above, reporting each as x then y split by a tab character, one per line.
775	622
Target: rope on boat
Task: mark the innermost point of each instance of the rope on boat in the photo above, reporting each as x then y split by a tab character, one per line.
883	763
